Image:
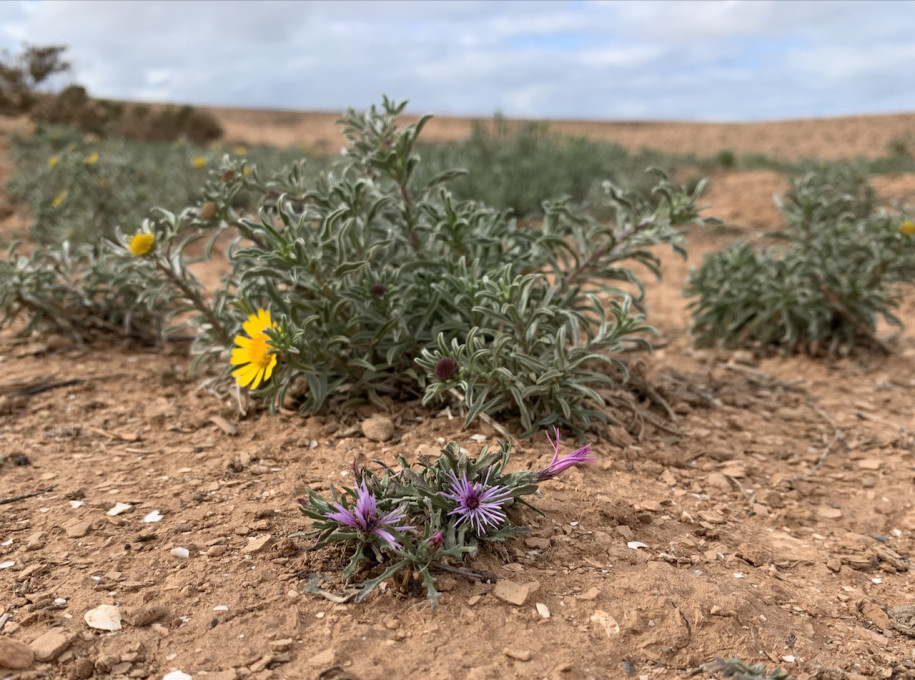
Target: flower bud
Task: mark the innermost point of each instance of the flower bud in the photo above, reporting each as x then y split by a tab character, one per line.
208	211
445	368
228	176
907	228
378	289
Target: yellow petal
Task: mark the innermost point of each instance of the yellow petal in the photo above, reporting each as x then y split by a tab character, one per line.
264	316
257	379
242	341
240	356
252	326
245	374
269	370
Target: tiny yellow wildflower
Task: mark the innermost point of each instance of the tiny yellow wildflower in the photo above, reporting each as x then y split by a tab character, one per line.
199	161
59	199
907	228
246	171
92	158
240	150
53	161
141	243
252	356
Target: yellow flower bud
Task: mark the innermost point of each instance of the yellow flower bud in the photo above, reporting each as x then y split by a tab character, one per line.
907	228
53	161
199	161
59	199
92	159
141	243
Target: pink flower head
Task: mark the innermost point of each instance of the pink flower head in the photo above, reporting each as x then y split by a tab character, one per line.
479	504
557	466
365	517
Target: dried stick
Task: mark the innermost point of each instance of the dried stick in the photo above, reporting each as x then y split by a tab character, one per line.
14	499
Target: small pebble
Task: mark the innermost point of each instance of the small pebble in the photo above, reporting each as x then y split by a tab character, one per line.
182	553
517	654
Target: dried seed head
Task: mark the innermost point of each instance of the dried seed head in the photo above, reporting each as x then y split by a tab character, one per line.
378	289
228	176
208	210
445	368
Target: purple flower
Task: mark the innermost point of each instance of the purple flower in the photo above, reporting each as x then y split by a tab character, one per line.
366	519
557	466
479	504
436	539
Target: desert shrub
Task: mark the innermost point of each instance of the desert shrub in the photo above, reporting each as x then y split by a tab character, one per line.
516	167
726	158
367	283
827	194
73	106
71	289
822	292
80	190
23	74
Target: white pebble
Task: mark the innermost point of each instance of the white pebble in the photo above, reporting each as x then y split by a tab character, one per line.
543	610
104	617
176	675
120	509
220	608
635	545
76	504
183	553
154	516
7	564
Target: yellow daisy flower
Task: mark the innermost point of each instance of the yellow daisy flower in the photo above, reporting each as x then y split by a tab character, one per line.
92	159
141	243
907	228
252	354
59	199
199	161
53	161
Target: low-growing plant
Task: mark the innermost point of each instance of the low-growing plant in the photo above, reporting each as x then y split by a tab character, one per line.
825	290
427	518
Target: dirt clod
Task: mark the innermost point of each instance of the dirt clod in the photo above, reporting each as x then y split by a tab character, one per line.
14	654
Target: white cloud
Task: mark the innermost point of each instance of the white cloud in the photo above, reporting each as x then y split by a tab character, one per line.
582	59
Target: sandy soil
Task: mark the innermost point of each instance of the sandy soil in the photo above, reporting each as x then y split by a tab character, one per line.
776	525
835	138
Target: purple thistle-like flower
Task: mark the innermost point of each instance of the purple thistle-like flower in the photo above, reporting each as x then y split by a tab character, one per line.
478	503
365	517
557	466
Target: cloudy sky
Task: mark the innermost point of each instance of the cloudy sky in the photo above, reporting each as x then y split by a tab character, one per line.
727	60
